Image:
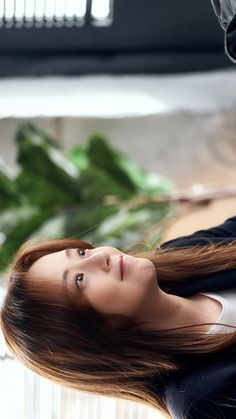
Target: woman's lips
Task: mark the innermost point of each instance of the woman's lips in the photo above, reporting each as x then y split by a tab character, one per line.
122	267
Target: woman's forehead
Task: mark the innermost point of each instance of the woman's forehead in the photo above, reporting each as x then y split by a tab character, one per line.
50	264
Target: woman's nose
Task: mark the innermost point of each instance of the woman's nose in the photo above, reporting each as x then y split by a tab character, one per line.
98	260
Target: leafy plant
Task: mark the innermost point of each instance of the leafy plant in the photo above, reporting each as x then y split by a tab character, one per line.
91	193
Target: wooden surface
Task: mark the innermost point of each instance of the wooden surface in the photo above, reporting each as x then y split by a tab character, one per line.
191	220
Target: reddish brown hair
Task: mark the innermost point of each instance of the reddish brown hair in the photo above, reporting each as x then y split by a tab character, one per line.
72	345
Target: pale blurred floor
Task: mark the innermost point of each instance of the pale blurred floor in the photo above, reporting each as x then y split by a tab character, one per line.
108	96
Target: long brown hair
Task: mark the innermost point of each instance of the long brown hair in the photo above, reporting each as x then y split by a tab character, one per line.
73	347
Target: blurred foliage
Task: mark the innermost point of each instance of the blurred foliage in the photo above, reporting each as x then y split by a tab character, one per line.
87	194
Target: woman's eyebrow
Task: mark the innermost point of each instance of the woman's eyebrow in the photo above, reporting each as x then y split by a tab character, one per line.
65	274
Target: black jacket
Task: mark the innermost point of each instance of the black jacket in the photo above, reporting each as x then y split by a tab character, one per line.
226	12
207	392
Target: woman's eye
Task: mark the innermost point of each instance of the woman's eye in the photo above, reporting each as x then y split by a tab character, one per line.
81	252
79	279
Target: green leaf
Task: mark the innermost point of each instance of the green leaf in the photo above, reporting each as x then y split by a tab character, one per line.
16	225
96	182
124	170
42	193
9	193
41	159
96	185
103	156
78	156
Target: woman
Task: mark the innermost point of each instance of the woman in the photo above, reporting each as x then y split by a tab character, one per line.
138	327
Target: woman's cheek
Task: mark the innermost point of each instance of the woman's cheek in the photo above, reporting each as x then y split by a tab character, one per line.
103	298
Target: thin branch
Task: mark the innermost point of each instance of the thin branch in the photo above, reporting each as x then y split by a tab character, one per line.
197	195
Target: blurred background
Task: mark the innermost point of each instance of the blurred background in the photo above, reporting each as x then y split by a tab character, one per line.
117	125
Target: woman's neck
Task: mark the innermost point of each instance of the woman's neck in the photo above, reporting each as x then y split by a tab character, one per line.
171	311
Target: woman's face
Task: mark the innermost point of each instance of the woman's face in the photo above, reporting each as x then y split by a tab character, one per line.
111	281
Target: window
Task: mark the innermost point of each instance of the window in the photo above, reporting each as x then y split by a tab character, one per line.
58	13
